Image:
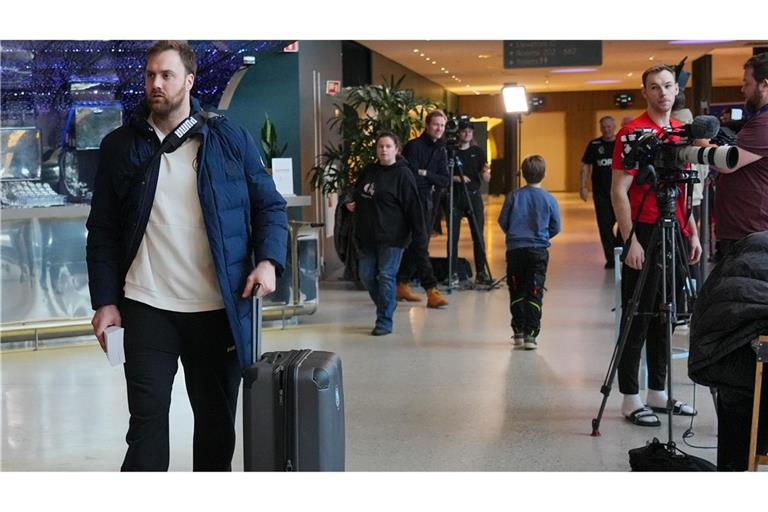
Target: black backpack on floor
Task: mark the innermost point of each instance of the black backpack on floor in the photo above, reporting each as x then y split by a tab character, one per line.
658	456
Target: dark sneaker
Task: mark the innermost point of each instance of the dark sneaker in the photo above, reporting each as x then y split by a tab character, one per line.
517	340
529	343
379	331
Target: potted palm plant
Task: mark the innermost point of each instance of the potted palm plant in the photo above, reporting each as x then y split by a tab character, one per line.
366	111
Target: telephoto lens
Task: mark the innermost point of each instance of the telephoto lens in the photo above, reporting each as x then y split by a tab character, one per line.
725	157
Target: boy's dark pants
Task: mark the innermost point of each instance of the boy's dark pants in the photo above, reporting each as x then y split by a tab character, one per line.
526	271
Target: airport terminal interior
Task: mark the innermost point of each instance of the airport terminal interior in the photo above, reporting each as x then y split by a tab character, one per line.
446	390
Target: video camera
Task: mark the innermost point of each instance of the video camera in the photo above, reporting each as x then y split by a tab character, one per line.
452	130
659	159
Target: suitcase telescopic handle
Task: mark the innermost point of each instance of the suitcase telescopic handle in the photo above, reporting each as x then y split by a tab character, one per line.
256	325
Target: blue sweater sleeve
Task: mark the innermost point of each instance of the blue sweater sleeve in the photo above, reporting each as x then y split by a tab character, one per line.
554	217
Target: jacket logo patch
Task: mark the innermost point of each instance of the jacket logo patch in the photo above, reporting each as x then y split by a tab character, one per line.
369	190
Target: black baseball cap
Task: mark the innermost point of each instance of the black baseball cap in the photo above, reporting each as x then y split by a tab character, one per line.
466	124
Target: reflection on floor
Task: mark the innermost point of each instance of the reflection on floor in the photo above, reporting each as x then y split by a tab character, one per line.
445	391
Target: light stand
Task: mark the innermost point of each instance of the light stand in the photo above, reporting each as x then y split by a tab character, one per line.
515	105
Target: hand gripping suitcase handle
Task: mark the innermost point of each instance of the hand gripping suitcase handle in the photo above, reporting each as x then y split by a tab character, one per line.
256	325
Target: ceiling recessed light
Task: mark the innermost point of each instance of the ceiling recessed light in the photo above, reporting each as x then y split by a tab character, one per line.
630	74
650	58
483	56
446	71
421	55
415	50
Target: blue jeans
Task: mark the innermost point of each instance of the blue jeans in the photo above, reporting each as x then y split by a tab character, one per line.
378	271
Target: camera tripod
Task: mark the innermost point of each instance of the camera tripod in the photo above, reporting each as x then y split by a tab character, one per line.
672	257
454	162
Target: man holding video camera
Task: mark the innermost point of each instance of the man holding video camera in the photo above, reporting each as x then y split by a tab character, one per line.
740	200
474	169
637	202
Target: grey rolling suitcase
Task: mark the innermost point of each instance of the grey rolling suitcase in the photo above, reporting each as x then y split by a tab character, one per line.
293	409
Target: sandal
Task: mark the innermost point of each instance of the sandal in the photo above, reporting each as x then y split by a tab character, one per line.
679	409
643	417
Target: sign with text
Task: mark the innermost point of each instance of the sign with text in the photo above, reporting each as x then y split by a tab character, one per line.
551	54
282	173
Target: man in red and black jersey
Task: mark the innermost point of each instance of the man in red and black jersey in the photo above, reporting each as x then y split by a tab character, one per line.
659	90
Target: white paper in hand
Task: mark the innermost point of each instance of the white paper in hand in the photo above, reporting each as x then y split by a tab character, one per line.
113	335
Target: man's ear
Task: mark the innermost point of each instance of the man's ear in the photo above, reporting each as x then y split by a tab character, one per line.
190	81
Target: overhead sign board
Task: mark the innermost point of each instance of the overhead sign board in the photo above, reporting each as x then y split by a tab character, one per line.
552	54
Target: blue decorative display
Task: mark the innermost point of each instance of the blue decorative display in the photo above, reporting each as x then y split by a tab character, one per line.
41	79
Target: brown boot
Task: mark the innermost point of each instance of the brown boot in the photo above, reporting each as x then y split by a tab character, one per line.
404	292
435	299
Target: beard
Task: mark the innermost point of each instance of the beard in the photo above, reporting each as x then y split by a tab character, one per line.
753	102
163	107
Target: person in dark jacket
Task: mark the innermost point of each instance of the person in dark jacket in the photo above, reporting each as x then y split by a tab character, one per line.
387	217
428	160
172	242
730	313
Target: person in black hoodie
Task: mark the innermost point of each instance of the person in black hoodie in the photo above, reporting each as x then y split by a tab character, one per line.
387	217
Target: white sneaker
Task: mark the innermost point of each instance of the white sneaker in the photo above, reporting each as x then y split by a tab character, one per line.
529	343
517	340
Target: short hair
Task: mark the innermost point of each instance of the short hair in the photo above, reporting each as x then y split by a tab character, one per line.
534	168
391	135
435	113
759	65
187	54
658	68
606	118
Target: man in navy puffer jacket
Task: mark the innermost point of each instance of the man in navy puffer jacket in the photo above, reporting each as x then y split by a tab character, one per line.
177	242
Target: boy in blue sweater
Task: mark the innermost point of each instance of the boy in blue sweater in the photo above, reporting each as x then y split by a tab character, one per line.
530	217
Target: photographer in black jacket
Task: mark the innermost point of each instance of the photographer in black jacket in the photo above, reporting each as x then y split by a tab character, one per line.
428	159
474	169
387	216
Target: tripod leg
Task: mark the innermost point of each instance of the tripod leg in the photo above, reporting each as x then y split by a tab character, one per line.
631	312
477	233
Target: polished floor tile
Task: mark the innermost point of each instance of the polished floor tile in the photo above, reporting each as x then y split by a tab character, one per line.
444	392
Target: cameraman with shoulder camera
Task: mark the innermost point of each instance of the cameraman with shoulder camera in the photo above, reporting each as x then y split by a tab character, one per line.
474	169
740	200
428	160
633	201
